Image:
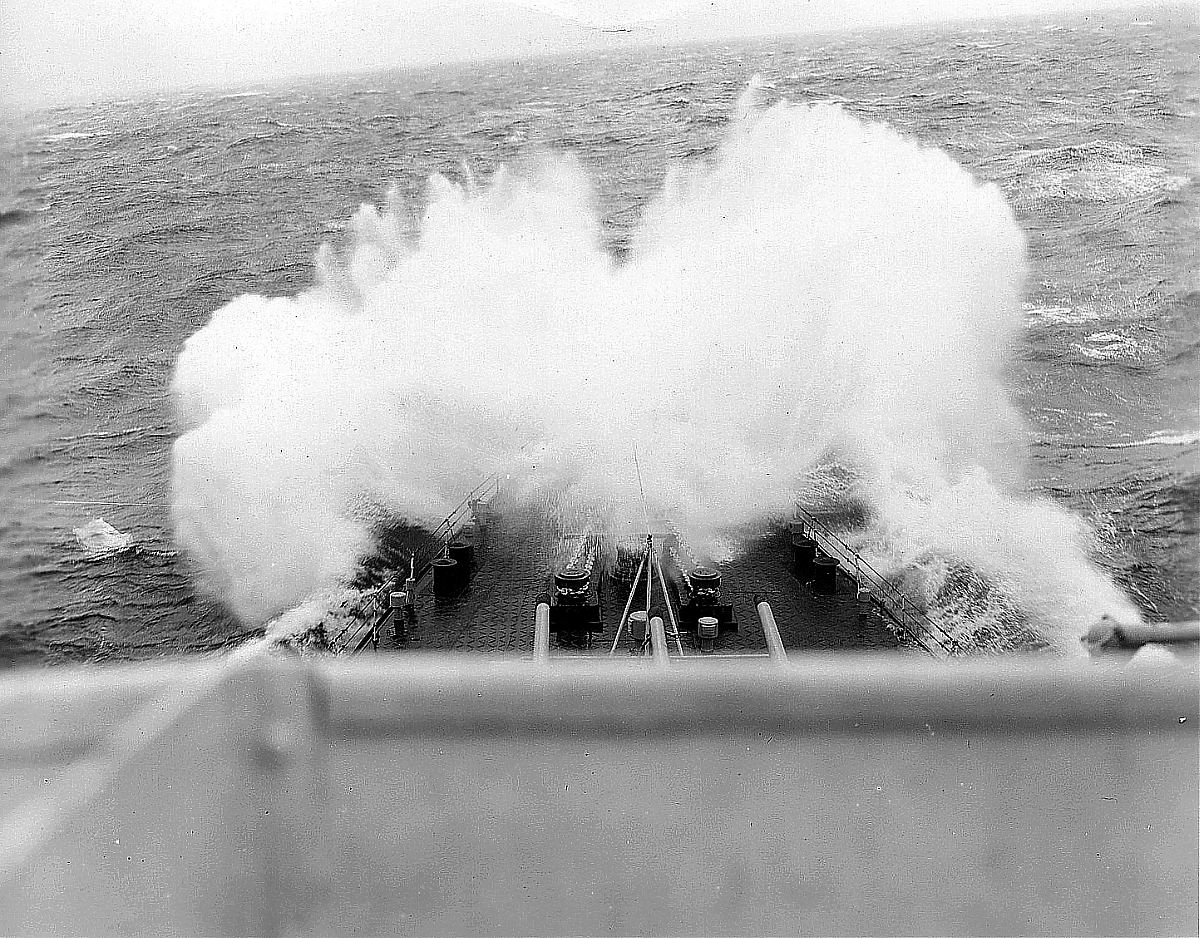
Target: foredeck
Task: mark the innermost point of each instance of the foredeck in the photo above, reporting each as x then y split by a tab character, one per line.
515	564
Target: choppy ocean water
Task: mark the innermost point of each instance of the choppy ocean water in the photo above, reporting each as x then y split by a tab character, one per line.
124	225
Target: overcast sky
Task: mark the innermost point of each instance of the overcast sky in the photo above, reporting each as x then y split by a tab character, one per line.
52	50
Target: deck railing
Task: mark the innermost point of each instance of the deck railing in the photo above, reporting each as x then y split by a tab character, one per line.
913	622
895	603
358	634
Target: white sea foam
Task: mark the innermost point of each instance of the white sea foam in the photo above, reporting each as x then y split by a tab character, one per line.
1163	438
1060	315
754	97
99	538
1099	171
76	135
823	286
1112	346
318	620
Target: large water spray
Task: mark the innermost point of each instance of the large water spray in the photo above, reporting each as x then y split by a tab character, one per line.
824	294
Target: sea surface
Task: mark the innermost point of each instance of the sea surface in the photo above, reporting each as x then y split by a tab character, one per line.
125	224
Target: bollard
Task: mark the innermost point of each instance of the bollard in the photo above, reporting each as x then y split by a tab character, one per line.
399	605
707	629
825	574
464	553
446	578
638	624
804	551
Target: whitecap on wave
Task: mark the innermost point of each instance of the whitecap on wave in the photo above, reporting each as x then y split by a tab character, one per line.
76	135
1112	346
1163	438
1099	171
99	538
1060	315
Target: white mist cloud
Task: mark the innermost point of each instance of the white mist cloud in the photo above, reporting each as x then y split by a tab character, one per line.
823	286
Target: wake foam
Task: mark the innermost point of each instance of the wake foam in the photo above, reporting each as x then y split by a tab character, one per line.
822	286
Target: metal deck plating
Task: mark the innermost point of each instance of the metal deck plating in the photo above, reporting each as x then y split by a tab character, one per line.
514	560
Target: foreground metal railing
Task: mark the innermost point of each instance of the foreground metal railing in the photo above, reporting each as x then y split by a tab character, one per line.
358	634
269	795
913	622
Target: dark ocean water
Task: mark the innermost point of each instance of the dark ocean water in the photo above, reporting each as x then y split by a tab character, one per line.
124	225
